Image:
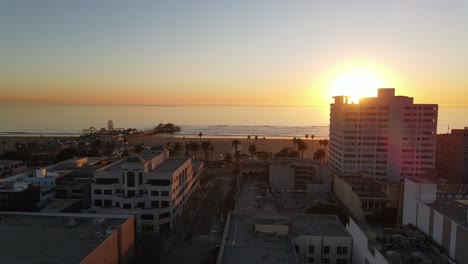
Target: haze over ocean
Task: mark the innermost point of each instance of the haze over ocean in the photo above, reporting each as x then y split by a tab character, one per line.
264	121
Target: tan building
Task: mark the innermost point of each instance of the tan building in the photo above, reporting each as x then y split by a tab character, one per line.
363	195
452	156
66	238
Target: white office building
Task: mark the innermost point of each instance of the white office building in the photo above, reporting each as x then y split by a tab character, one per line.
387	136
152	186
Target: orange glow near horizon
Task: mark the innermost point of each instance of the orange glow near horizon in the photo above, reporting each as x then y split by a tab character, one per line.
356	81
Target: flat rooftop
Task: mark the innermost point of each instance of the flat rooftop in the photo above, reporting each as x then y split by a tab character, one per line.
402	245
453	208
170	165
244	245
53	238
364	187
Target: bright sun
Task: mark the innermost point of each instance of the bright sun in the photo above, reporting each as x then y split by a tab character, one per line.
356	84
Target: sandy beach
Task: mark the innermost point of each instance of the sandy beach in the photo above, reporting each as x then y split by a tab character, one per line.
224	145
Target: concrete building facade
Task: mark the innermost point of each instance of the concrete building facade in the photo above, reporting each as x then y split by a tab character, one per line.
297	174
452	156
388	136
152	187
365	196
440	211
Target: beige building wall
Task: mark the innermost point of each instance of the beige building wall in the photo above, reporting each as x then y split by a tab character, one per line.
346	195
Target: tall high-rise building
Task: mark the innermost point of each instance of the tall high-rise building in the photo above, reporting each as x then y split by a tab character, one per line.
387	136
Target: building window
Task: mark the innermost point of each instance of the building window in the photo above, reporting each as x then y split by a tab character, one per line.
326	261
141	205
154	193
164	193
344	250
130	193
147	217
155	204
127	206
326	250
341	261
108	192
97	191
164	204
311	249
97	202
77	191
311	260
140	178
130	179
338	250
165	215
107	203
296	247
123	178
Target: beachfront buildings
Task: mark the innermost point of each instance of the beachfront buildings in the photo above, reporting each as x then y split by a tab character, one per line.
452	156
387	136
152	186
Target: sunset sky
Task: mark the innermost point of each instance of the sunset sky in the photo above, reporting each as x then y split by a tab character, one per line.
230	52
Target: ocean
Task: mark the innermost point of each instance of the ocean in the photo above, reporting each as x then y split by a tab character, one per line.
212	121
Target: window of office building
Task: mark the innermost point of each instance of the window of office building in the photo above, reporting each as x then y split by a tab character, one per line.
326	249
130	179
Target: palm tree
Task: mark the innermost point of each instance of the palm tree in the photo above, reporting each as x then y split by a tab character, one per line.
177	147
301	146
248	139
294	141
319	155
256	138
194	147
212	150
307	137
235	144
252	150
205	146
200	135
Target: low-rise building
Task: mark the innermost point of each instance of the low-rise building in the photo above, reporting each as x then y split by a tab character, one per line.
11	167
379	245
439	210
297	174
66	238
152	186
19	196
284	238
364	196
